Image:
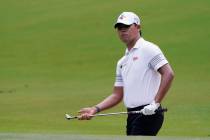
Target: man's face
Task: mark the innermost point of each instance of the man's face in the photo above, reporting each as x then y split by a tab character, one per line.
128	33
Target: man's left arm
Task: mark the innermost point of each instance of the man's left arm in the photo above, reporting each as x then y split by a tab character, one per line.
167	76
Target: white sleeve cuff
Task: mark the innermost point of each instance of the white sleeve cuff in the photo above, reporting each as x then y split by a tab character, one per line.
118	84
160	64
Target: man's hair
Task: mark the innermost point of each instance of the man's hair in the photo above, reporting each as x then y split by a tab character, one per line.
140	33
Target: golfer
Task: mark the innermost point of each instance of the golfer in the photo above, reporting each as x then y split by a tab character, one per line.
143	77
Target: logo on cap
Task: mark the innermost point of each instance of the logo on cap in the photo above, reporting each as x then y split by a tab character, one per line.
122	17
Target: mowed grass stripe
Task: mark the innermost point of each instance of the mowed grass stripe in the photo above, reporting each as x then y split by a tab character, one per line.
8	136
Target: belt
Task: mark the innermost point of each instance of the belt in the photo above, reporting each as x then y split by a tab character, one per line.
136	108
139	108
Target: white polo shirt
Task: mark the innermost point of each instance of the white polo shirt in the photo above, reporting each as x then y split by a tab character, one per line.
137	73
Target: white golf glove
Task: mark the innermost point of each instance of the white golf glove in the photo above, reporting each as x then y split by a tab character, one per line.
150	109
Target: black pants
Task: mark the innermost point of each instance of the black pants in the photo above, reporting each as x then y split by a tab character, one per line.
147	125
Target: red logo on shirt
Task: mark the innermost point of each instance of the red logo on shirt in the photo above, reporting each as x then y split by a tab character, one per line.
135	58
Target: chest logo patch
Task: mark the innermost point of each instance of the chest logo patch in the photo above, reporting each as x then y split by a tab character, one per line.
135	58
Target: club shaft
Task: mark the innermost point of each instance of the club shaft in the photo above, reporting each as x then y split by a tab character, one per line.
118	113
109	114
131	112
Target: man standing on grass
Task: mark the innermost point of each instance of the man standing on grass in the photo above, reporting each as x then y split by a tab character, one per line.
143	77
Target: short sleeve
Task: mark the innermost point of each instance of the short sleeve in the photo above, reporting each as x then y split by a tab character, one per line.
158	61
156	57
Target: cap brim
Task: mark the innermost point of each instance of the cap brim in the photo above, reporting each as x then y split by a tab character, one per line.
119	23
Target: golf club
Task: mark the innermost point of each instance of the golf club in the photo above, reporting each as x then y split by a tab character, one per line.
69	117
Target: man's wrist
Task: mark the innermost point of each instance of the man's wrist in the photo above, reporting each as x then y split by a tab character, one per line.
97	109
156	103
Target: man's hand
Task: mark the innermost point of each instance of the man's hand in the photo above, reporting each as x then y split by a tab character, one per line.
150	109
85	113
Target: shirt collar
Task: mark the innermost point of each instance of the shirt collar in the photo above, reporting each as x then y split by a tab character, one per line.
136	46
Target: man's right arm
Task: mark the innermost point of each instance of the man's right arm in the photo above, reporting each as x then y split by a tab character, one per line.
110	101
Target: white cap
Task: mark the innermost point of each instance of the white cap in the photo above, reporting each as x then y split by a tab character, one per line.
127	18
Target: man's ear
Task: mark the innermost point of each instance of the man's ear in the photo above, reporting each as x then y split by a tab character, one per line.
138	26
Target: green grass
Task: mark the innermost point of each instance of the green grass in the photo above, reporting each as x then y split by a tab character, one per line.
57	56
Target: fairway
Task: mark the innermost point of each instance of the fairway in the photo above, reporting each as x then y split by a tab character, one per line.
57	56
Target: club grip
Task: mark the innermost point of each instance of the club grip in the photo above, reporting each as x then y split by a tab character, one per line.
161	110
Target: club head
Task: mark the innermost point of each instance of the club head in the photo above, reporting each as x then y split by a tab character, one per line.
68	117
